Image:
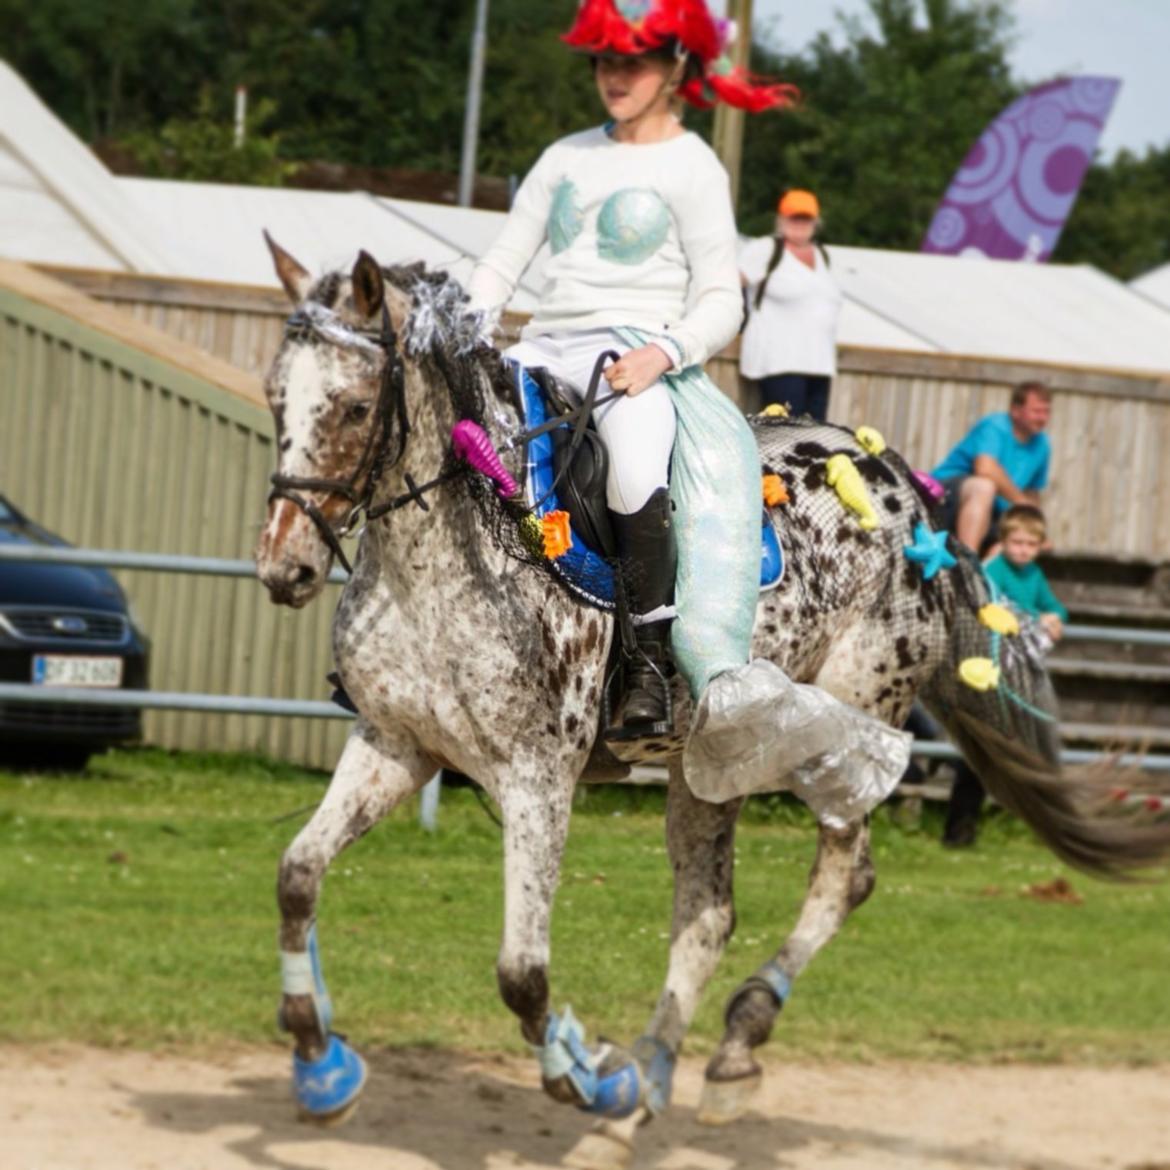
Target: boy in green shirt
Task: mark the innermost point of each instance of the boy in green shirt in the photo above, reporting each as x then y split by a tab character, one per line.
1016	575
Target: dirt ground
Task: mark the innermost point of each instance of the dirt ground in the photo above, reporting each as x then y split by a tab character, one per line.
72	1108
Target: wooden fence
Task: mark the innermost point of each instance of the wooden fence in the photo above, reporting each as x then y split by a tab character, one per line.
1110	490
139	424
115	435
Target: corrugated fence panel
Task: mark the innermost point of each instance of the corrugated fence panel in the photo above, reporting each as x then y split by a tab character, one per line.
116	437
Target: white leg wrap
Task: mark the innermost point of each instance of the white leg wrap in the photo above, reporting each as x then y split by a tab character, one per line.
296	973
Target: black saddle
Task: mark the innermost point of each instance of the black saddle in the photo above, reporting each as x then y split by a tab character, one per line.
581	472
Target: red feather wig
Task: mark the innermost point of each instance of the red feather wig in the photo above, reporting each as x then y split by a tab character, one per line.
633	27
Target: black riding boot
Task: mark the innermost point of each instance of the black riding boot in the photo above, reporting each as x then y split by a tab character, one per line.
645	543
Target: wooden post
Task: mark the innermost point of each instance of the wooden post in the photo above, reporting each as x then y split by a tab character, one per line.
728	133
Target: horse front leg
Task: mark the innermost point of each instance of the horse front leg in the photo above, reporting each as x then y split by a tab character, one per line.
842	878
700	842
376	772
599	1079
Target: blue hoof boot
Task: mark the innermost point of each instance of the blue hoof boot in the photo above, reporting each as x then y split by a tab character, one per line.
606	1081
657	1064
328	1087
617	1094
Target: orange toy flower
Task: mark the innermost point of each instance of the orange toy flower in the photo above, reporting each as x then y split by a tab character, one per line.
558	537
774	491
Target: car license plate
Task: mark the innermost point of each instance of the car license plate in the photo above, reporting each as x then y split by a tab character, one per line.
63	670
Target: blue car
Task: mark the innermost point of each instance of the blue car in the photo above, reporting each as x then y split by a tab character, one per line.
64	626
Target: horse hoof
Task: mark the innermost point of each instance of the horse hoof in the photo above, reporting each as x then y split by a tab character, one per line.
723	1102
329	1120
603	1148
327	1089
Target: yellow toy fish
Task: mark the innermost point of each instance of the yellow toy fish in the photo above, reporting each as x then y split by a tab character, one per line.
775	410
999	619
842	474
980	674
870	439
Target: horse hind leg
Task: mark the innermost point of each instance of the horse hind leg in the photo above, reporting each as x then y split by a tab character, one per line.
371	778
842	878
700	840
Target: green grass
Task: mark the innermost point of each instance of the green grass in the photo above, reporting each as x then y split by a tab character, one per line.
137	908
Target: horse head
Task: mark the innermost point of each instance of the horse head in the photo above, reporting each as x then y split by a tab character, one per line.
336	389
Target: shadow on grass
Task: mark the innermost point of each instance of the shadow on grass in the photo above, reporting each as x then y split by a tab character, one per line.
429	1108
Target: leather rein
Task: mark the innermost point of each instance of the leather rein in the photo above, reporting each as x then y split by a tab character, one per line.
392	421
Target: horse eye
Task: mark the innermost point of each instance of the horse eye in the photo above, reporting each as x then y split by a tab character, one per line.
357	412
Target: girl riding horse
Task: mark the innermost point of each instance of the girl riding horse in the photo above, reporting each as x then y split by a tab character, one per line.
639	220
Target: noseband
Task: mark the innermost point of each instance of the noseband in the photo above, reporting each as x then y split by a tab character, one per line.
391	421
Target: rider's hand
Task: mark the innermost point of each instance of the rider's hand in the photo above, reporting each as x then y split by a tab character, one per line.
638	369
1053	625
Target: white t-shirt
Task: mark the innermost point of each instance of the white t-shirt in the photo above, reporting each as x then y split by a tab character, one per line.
642	235
794	331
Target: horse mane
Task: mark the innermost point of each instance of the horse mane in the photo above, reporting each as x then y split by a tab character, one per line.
449	339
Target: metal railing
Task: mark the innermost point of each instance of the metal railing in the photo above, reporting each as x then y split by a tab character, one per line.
317	709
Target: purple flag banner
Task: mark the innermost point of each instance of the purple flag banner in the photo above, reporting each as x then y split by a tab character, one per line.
1010	198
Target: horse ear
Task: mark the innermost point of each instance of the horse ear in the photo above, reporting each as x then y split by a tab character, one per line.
296	280
369	289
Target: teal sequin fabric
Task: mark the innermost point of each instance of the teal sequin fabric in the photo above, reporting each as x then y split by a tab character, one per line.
632	226
565	217
715	488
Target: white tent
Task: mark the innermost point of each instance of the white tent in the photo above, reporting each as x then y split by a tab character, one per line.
1155	285
1067	314
322	229
59	205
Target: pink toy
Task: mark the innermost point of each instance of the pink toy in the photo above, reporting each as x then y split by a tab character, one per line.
471	443
931	484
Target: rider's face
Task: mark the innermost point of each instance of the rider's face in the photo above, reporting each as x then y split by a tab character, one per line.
631	86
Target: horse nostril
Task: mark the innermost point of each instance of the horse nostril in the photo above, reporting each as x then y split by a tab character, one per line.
305	576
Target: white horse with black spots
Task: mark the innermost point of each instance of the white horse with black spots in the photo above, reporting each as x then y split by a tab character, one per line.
458	654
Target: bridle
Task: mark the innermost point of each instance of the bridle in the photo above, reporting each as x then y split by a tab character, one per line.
391	422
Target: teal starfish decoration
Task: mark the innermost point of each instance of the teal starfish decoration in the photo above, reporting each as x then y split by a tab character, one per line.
929	550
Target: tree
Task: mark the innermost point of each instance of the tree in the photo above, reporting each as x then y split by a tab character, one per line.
886	118
204	149
103	66
1121	221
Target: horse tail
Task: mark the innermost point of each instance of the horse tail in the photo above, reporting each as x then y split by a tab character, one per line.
1010	736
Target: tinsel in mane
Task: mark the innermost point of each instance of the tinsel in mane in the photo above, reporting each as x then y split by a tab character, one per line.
444	334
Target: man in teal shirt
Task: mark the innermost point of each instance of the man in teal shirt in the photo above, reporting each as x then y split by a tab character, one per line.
1002	460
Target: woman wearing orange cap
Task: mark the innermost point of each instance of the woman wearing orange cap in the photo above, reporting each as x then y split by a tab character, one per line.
638	216
790	343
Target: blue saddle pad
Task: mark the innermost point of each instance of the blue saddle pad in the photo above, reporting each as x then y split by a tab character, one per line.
584	570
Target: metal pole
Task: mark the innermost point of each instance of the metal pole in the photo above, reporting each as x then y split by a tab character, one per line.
474	93
729	122
428	803
170	701
108	558
241	116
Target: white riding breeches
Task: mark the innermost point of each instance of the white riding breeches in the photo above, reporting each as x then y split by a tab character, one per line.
638	431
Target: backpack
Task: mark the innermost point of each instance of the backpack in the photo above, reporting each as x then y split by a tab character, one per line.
778	251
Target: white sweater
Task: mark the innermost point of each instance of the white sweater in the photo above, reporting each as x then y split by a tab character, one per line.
794	331
641	235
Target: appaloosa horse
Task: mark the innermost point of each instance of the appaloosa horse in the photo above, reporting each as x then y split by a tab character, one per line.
459	654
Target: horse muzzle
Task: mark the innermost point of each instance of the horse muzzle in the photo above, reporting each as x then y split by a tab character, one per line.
292	560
